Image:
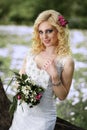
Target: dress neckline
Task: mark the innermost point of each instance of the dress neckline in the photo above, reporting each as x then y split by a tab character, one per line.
40	69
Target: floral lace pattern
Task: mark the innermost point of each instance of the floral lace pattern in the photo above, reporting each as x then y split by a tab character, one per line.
39	76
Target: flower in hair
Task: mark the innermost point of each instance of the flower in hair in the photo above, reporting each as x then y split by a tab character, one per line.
62	21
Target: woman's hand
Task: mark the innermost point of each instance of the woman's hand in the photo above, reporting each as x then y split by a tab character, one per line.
50	67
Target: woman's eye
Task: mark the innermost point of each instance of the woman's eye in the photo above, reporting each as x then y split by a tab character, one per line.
46	31
49	31
40	32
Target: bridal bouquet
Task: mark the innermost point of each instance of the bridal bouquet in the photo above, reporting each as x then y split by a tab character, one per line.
27	91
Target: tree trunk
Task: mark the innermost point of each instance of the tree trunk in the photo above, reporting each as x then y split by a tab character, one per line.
5	119
65	125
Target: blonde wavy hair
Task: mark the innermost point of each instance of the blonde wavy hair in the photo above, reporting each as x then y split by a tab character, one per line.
51	16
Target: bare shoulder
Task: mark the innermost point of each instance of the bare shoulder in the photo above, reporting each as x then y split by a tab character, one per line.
69	65
69	61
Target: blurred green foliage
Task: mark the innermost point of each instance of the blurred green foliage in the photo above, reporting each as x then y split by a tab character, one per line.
4	65
5	62
25	12
76	114
7	39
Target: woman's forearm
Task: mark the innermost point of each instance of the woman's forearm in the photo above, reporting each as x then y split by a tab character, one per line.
58	88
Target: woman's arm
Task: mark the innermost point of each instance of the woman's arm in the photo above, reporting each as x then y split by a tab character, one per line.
61	85
62	89
22	70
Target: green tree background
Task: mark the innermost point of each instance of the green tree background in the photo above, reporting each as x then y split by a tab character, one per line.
25	12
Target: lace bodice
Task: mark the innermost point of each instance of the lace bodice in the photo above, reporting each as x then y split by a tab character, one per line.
40	76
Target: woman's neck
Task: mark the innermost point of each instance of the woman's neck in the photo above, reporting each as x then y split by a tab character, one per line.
50	50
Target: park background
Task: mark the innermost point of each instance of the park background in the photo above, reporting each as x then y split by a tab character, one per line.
16	28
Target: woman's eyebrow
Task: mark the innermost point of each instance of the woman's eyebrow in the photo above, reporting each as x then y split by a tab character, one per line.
46	29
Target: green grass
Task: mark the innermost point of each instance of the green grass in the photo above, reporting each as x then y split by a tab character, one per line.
80	57
4	66
82	45
4	62
79	74
14	39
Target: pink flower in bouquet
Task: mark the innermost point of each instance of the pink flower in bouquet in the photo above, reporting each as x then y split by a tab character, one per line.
38	97
62	21
18	97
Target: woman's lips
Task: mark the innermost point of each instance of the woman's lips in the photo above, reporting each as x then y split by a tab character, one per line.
46	41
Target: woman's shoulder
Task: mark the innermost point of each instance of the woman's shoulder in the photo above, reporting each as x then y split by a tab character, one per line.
65	59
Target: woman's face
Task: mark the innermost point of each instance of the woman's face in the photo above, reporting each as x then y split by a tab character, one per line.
47	34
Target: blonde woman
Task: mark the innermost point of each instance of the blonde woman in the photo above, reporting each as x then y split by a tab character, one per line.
50	65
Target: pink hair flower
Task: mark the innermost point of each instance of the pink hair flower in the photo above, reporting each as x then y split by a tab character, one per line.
62	21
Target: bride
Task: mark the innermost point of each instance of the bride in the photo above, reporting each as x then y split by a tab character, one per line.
50	64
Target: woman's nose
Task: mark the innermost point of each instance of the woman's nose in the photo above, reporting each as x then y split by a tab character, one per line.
45	35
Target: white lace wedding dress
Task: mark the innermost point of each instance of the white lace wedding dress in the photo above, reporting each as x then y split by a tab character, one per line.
42	116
